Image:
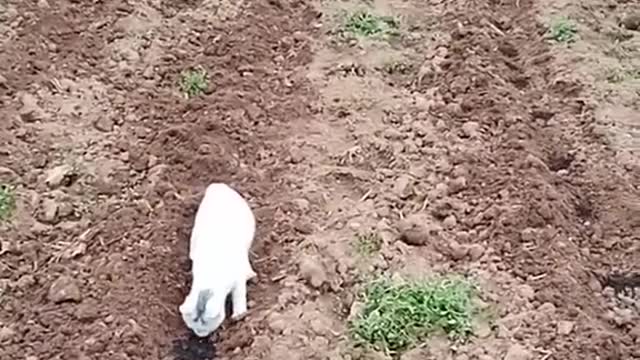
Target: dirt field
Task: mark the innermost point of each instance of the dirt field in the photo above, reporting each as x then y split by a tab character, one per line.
469	142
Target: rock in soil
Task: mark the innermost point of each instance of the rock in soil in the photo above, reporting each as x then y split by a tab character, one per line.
565	327
413	231
631	21
517	352
7	175
65	288
470	129
31	111
48	212
313	272
6	334
104	124
450	222
402	187
59	175
476	251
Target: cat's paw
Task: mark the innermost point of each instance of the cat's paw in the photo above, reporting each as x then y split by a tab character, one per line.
239	315
251	275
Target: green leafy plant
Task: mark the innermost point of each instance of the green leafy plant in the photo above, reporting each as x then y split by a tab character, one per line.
193	82
365	24
7	202
563	30
619	76
368	243
396	316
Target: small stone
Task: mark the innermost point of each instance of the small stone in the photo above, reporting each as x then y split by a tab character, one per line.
518	352
296	157
204	149
631	21
302	204
441	209
450	222
48	212
65	210
546	308
393	134
75	250
383	211
402	186
87	311
456	185
31	358
39	160
482	329
535	162
528	235
25	281
526	291
104	124
476	251
303	227
6	334
417	353
313	271
565	327
470	129
439	191
59	175
413	231
148	72
43	4
31	111
635	333
458	251
7	175
623	317
153	161
64	289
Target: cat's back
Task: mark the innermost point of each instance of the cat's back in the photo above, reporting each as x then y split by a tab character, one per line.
224	219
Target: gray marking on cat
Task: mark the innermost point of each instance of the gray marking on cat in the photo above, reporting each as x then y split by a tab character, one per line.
201	305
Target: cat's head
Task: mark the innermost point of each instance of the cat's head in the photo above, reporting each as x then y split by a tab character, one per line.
202	313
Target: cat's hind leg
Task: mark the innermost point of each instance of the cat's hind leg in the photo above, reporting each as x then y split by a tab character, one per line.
249	269
239	300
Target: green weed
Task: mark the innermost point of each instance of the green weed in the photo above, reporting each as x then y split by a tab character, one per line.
396	316
193	82
619	76
364	24
368	244
7	202
563	30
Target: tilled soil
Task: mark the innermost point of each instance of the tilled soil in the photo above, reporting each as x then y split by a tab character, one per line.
479	138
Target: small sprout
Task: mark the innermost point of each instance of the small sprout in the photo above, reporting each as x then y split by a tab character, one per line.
619	76
563	30
363	23
193	82
397	316
7	202
368	244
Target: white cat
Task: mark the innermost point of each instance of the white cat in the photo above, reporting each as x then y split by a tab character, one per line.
222	235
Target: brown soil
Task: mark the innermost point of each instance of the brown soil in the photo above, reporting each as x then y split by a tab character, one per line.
470	126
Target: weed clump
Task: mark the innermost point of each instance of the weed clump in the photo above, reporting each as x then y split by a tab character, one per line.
563	30
365	24
193	82
7	202
396	316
